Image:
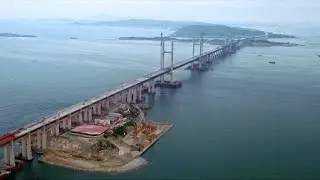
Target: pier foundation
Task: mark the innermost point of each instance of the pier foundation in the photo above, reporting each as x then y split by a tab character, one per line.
69	125
44	137
29	152
80	116
140	92
56	127
38	139
6	154
129	96
134	98
24	148
90	115
99	106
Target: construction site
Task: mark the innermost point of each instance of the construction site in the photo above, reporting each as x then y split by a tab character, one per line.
113	142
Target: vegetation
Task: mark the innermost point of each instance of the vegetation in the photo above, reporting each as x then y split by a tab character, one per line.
120	131
218	31
123	130
183	28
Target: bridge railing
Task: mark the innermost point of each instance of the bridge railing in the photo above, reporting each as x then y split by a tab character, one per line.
127	85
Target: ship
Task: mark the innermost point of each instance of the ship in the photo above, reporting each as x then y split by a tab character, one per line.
272	62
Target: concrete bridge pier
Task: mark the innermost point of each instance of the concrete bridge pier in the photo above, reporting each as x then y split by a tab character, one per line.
24	147
69	122
64	124
200	62
207	58
90	114
134	98
123	96
85	115
153	89
94	108
80	116
57	128
99	106
149	86
9	155
6	154
129	96
211	58
103	103
108	103
118	97
44	137
29	152
38	139
140	93
215	57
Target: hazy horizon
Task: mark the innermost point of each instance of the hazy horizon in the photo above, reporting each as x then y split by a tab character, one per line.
218	11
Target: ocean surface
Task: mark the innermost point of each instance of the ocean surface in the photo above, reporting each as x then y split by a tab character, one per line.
244	119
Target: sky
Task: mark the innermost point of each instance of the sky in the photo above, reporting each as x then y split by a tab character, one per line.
269	11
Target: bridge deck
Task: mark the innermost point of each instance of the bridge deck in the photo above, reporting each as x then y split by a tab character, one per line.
86	103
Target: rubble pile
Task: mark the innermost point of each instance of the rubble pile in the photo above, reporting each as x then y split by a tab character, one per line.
65	145
101	151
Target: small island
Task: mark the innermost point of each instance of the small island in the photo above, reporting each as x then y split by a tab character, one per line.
113	143
219	42
15	35
216	34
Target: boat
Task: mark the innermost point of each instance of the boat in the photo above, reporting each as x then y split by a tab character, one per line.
259	55
272	62
318	55
73	38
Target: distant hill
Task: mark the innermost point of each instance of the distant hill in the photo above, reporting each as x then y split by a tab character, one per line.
183	28
218	31
142	23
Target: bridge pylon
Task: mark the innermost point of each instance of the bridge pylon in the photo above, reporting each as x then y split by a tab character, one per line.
162	82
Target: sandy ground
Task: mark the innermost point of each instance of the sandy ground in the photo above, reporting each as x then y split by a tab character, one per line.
84	165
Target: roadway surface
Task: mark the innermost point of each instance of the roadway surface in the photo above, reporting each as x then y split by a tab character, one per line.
74	108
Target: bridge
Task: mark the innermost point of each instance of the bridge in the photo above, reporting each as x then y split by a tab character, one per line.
36	134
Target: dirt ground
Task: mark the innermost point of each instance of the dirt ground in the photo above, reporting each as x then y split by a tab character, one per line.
119	165
111	154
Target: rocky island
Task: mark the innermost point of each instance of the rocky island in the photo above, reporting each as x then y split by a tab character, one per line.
221	31
15	35
212	41
216	34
